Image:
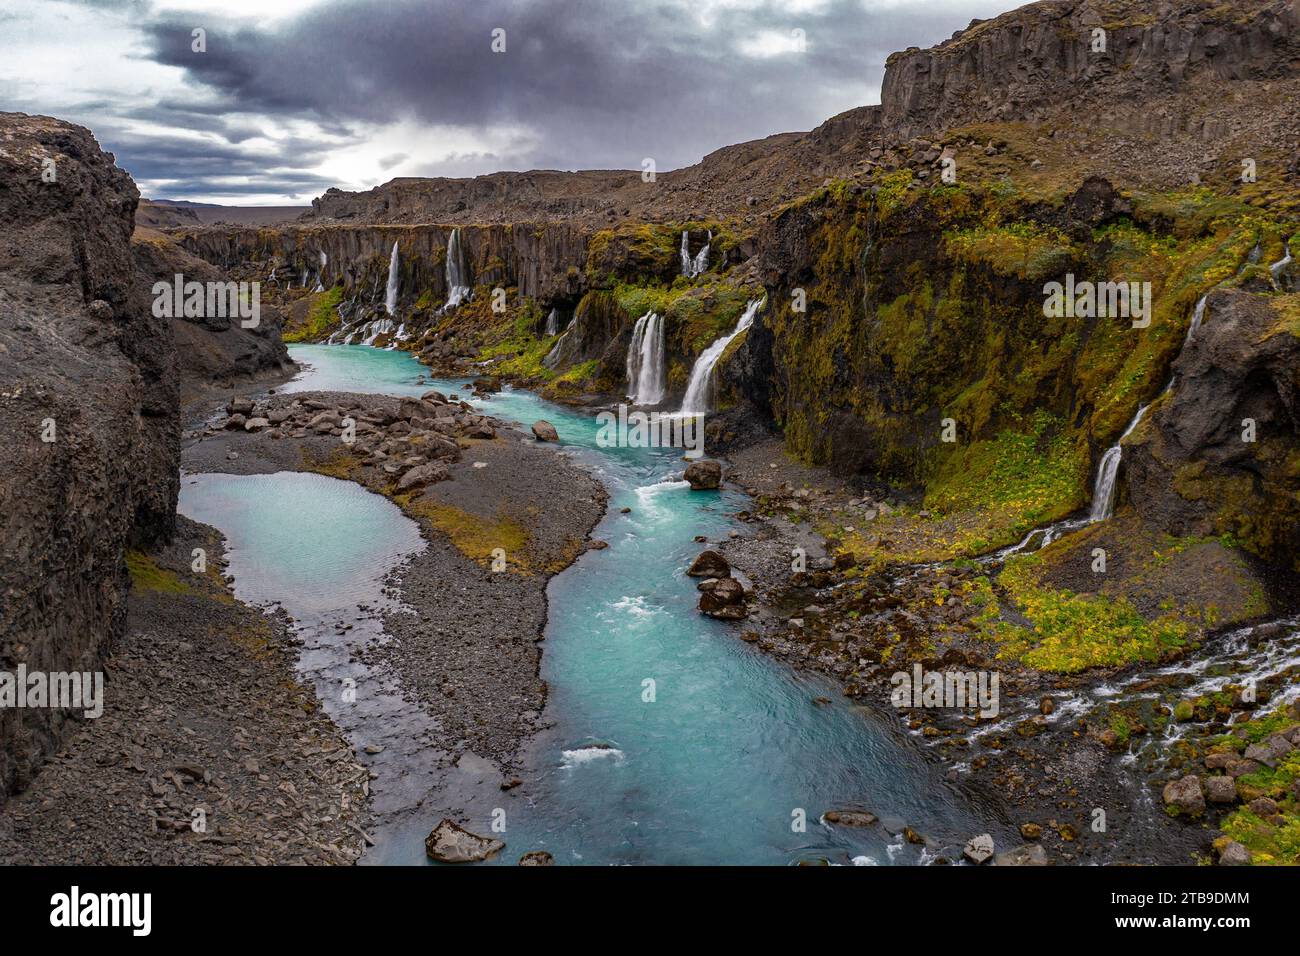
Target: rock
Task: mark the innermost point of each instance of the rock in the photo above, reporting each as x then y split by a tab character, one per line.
1220	760
537	858
435	397
1234	854
1184	794
1221	790
849	818
422	475
545	431
240	406
1046	706
235	421
256	424
1031	854
709	564
723	594
913	836
1263	807
596	544
449	843
978	849
1262	753
1031	831
704	475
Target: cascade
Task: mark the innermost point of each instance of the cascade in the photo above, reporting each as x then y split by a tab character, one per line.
701	392
645	361
390	293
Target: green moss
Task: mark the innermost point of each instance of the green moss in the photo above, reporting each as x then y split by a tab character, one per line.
322	317
146	575
1072	632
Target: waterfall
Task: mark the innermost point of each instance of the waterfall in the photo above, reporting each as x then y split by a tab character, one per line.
458	289
693	267
1197	315
1103	492
390	294
553	323
1277	268
645	361
701	393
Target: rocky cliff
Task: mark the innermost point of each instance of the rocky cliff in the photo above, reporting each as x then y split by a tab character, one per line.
88	395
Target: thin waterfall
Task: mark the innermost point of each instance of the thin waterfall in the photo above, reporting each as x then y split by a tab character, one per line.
702	391
390	293
553	322
691	267
1277	268
645	361
1198	314
458	289
1103	492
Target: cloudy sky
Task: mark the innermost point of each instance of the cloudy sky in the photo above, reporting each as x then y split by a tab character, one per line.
293	96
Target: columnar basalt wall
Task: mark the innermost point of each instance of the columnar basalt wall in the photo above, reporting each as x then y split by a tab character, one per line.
88	417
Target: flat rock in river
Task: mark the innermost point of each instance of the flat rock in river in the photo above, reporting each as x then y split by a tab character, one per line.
449	843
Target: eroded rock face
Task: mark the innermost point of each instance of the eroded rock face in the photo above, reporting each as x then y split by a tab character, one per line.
1191	467
84	364
213	349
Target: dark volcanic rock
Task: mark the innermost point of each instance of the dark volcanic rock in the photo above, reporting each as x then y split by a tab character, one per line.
709	564
1191	467
82	362
704	475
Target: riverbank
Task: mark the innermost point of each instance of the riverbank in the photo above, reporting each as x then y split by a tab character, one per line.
1078	755
209	750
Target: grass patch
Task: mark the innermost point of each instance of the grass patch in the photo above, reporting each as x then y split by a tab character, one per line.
147	576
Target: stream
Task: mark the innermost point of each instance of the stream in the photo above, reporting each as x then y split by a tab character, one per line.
717	765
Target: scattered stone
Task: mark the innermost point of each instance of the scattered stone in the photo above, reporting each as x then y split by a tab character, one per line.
537	858
545	431
978	849
1234	854
849	818
1031	854
704	475
709	564
1185	795
1221	790
1031	831
449	843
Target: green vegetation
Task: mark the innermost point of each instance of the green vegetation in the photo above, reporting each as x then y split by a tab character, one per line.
146	575
322	316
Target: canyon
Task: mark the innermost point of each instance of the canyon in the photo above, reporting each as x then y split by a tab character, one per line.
868	341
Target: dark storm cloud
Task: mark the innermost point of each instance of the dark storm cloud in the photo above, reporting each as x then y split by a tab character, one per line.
600	83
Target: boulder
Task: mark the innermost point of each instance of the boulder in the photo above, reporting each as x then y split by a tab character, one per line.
537	858
1031	854
704	475
1221	790
1184	794
422	475
1234	854
849	818
978	849
434	396
709	564
255	424
545	431
449	843
725	598
235	421
240	406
